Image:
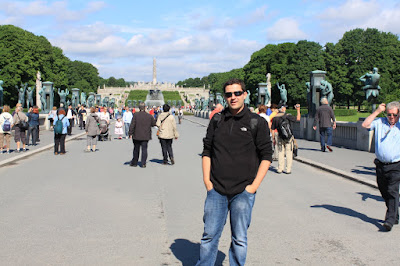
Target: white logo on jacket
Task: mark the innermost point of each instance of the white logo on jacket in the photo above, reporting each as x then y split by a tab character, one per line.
243	129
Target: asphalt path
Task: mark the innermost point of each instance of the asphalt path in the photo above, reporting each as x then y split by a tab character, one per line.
94	209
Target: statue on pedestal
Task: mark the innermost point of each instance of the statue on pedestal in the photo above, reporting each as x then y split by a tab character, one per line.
91	100
21	93
83	98
29	96
43	99
74	100
283	93
112	103
371	84
308	85
63	95
326	91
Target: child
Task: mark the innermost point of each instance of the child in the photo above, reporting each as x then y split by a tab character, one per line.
118	128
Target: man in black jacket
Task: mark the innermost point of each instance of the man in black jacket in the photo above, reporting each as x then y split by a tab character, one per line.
236	156
140	132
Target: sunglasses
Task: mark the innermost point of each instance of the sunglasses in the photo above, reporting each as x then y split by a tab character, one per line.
389	115
237	93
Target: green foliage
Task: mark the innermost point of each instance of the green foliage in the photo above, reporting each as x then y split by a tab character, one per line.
113	82
22	54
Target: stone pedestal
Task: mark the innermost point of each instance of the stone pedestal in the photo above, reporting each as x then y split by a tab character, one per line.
75	97
48	95
315	81
264	94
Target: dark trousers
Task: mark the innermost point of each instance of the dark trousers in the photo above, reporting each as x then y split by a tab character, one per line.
325	131
136	150
81	123
71	124
388	179
59	143
32	130
166	148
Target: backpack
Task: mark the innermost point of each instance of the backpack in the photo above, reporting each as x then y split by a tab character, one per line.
58	128
284	130
6	125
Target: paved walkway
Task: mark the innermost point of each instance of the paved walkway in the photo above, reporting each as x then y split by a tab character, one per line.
352	164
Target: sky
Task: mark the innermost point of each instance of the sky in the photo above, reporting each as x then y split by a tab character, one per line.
189	39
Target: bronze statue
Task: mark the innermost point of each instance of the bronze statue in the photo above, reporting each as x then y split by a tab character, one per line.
43	99
371	84
63	95
283	92
29	96
326	91
247	99
21	93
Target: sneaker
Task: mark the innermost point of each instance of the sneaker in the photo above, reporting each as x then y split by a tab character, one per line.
172	161
18	151
24	150
56	153
143	165
132	164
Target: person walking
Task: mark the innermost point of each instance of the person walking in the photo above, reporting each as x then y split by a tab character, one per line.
167	132
140	132
325	118
180	115
236	156
285	139
60	133
6	120
92	130
20	131
33	121
82	117
387	141
71	116
126	119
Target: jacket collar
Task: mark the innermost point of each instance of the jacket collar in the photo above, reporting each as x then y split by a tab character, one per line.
228	113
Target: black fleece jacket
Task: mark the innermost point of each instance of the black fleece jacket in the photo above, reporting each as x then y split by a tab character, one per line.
235	155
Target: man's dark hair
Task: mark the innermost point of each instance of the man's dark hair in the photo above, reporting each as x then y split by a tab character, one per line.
235	81
166	108
142	106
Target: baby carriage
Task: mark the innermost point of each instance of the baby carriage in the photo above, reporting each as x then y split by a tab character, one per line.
104	131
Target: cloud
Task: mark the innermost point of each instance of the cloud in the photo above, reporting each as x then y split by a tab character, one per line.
285	29
335	21
18	10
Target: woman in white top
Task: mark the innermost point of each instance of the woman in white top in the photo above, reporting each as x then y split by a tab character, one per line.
104	115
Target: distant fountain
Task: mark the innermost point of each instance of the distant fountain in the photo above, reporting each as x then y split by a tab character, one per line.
154	98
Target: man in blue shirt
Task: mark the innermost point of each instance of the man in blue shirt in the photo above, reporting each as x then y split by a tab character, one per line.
387	141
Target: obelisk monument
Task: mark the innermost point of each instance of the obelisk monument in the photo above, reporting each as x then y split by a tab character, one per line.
154	72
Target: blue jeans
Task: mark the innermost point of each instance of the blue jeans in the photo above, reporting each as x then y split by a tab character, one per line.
127	128
216	209
328	132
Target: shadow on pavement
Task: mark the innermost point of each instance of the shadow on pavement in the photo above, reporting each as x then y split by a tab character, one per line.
352	213
188	252
366	196
156	161
309	149
365	170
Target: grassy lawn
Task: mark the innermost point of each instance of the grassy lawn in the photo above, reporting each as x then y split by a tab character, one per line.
351	118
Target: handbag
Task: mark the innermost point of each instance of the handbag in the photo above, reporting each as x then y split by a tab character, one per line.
162	122
23	125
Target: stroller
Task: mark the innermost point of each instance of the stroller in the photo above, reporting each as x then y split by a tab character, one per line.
104	131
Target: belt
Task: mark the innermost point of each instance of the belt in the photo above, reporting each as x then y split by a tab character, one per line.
386	163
